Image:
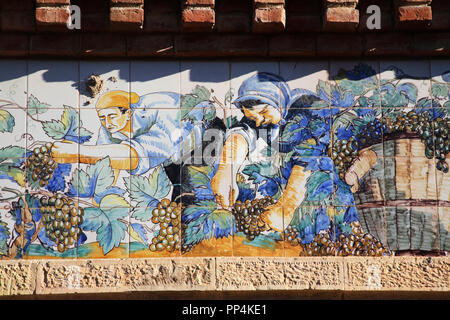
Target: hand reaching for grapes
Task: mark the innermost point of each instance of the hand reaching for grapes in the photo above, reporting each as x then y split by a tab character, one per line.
65	152
273	217
224	189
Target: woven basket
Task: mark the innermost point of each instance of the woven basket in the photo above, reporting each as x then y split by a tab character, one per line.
404	200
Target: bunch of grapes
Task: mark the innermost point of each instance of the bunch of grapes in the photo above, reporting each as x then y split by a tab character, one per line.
62	219
343	153
290	234
248	216
168	215
356	244
433	133
41	164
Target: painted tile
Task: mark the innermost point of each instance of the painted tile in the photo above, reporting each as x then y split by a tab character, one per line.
258	178
54	84
444	228
13	103
405	84
108	76
312	232
440	83
309	75
354	84
155	76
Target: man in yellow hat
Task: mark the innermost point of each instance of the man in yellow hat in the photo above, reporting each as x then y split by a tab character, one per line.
146	131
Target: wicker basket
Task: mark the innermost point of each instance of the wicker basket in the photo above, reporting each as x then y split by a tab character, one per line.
404	200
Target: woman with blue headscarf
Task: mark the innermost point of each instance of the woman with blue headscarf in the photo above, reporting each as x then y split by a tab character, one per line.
265	100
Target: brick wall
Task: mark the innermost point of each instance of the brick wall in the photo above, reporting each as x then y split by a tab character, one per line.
225	28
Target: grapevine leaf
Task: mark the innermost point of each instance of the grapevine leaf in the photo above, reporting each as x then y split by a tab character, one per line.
4	236
94	181
13	152
447	104
35	106
200	180
68	128
344	119
102	174
138	232
81	184
7	121
189	101
106	221
439	90
54	129
147	192
205	222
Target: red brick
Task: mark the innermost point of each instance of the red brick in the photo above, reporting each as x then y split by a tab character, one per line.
54	2
161	22
267	20
298	45
414	13
233	23
339	45
126	18
198	19
303	23
341	19
54	17
220	46
431	44
22	21
55	45
149	45
388	44
103	45
13	45
209	3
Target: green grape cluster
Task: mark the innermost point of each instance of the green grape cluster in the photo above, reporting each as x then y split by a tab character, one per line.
248	216
356	244
62	219
168	215
41	164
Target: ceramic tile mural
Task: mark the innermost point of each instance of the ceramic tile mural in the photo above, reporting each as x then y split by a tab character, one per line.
130	159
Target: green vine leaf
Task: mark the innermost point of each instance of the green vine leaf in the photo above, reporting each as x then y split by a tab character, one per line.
68	128
11	153
35	106
439	90
7	121
146	192
106	220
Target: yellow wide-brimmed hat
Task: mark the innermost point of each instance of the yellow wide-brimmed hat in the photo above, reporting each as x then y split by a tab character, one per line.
118	99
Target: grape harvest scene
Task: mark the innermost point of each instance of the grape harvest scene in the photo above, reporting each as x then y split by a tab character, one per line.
133	159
